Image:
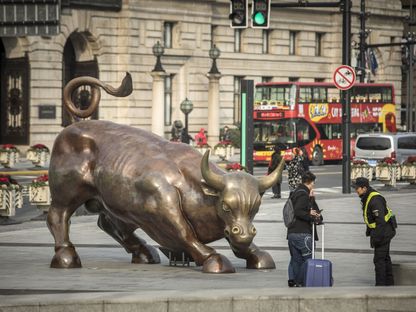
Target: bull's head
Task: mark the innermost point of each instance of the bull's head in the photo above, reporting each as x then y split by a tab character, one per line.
239	199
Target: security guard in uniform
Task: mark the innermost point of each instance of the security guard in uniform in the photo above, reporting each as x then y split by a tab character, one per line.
381	227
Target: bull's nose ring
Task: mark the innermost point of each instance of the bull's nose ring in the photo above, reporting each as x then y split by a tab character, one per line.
253	230
235	230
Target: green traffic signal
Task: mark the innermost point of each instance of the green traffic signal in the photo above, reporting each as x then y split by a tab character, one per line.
259	18
260	15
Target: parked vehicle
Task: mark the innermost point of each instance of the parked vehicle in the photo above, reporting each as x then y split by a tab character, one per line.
372	147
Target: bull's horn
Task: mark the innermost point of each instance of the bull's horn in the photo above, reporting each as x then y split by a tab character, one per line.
125	89
214	180
274	177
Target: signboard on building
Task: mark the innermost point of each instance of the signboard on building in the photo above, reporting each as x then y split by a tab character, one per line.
47	112
111	5
29	18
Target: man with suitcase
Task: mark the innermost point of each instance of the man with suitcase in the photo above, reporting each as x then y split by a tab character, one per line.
381	227
299	234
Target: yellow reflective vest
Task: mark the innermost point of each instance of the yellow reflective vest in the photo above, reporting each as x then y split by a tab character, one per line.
386	217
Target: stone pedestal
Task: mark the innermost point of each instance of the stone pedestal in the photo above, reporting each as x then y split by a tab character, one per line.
158	109
213	108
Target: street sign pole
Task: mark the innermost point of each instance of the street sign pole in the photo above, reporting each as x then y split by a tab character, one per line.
247	128
346	99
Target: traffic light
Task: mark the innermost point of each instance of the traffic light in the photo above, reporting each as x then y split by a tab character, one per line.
238	13
260	17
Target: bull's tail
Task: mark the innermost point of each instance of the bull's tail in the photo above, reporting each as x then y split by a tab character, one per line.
125	89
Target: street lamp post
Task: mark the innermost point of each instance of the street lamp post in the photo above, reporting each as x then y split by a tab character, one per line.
158	51
214	53
214	76
158	91
186	107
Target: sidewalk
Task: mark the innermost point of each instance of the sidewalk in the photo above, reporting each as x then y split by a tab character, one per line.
109	282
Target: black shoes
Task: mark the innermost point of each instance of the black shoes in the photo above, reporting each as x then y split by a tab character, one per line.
276	196
291	283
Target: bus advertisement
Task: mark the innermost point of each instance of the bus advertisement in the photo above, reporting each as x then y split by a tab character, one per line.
308	115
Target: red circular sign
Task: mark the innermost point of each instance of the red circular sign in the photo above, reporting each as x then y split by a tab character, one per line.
344	77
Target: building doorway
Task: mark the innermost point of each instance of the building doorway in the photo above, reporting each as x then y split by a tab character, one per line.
14	99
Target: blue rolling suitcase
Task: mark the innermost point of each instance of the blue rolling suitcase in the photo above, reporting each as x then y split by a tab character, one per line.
318	272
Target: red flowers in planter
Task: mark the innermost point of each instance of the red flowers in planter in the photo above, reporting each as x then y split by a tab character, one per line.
39	147
359	162
8	147
387	161
410	160
40	181
234	167
7	180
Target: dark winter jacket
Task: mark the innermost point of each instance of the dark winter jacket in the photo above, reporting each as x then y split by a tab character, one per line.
274	162
376	211
302	204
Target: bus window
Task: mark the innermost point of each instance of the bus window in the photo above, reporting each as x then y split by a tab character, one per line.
262	93
329	131
358	128
359	94
305	94
320	94
386	95
280	95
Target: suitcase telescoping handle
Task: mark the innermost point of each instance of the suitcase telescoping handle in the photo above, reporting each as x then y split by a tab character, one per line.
313	240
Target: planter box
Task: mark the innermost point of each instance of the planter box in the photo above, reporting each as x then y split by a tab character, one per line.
383	173
10	200
361	171
202	150
40	195
388	174
9	159
38	157
224	152
409	173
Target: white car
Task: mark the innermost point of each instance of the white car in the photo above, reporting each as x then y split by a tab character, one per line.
373	147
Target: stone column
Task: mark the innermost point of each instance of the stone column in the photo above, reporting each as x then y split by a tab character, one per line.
213	108
158	109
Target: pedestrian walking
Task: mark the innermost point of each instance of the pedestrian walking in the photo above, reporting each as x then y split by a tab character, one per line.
176	131
295	170
185	137
274	162
225	135
380	227
299	234
200	138
305	159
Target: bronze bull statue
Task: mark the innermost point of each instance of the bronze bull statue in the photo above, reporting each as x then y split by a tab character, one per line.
134	178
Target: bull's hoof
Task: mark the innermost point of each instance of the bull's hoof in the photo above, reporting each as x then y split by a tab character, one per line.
260	260
217	263
146	254
66	258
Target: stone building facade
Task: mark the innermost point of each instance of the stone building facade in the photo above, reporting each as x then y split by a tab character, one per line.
301	44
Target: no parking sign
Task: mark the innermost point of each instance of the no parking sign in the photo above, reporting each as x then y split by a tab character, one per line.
344	77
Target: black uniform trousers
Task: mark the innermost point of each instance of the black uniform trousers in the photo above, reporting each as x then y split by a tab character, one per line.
383	267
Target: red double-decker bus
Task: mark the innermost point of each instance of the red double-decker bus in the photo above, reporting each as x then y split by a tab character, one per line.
309	115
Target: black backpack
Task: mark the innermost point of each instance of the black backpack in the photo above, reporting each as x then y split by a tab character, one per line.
289	211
